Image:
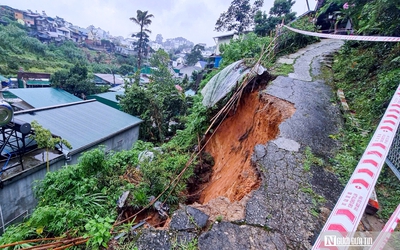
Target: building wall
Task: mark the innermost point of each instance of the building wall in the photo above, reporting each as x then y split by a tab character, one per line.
17	198
19	15
222	40
121	141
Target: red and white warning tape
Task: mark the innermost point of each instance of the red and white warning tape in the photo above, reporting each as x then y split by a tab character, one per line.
350	207
347	37
387	231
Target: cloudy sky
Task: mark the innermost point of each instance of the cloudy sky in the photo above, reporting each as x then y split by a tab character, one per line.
191	19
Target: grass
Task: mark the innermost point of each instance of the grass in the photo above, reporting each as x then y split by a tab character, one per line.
283	69
311	159
316	200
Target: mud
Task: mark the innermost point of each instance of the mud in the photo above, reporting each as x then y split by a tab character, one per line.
221	208
256	121
151	216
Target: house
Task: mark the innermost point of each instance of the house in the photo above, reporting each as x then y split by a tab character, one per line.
155	46
85	125
223	39
19	15
33	80
40	97
42	24
125	51
63	31
206	53
29	18
201	64
84	33
108	98
188	71
53	36
108	79
7	11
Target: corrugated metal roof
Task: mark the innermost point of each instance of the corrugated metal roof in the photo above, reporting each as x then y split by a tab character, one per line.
37	82
44	97
110	78
82	123
112	96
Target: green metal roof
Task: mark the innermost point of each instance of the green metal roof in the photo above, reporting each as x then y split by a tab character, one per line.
37	82
3	79
44	97
108	98
111	96
82	124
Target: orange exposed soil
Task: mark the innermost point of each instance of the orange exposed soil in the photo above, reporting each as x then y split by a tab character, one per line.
256	121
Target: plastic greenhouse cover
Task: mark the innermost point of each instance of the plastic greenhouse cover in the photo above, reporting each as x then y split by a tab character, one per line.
223	82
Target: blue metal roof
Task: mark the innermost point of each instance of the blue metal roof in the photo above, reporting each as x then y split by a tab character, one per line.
44	97
82	123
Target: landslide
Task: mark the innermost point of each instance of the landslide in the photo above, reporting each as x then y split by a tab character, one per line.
256	121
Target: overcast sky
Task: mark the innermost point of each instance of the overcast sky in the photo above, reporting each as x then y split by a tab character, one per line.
191	19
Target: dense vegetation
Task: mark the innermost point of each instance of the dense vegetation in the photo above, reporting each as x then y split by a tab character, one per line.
18	50
81	199
369	74
159	103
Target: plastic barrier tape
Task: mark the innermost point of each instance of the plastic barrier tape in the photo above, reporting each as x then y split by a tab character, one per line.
386	232
346	215
347	37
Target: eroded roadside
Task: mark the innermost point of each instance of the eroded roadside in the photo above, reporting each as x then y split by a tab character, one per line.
265	152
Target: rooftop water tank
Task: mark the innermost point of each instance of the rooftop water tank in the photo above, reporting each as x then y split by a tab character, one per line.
6	113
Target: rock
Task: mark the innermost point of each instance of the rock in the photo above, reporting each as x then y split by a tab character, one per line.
200	218
154	239
188	218
287	144
226	235
161	239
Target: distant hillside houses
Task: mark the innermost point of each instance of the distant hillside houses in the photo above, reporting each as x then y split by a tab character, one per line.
57	29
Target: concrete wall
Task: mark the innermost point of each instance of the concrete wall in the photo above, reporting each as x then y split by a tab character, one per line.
16	195
121	141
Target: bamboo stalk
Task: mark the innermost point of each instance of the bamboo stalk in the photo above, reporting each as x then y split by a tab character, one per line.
236	97
72	244
53	244
28	241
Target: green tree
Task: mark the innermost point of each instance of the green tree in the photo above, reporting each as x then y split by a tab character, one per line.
45	139
195	55
143	19
281	10
249	47
158	103
239	16
75	81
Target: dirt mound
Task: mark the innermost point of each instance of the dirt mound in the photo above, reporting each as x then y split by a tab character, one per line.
256	121
222	208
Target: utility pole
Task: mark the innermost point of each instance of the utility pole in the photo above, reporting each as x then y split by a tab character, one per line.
308	5
112	72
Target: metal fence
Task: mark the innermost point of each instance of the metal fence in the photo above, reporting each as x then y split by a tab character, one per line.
393	158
